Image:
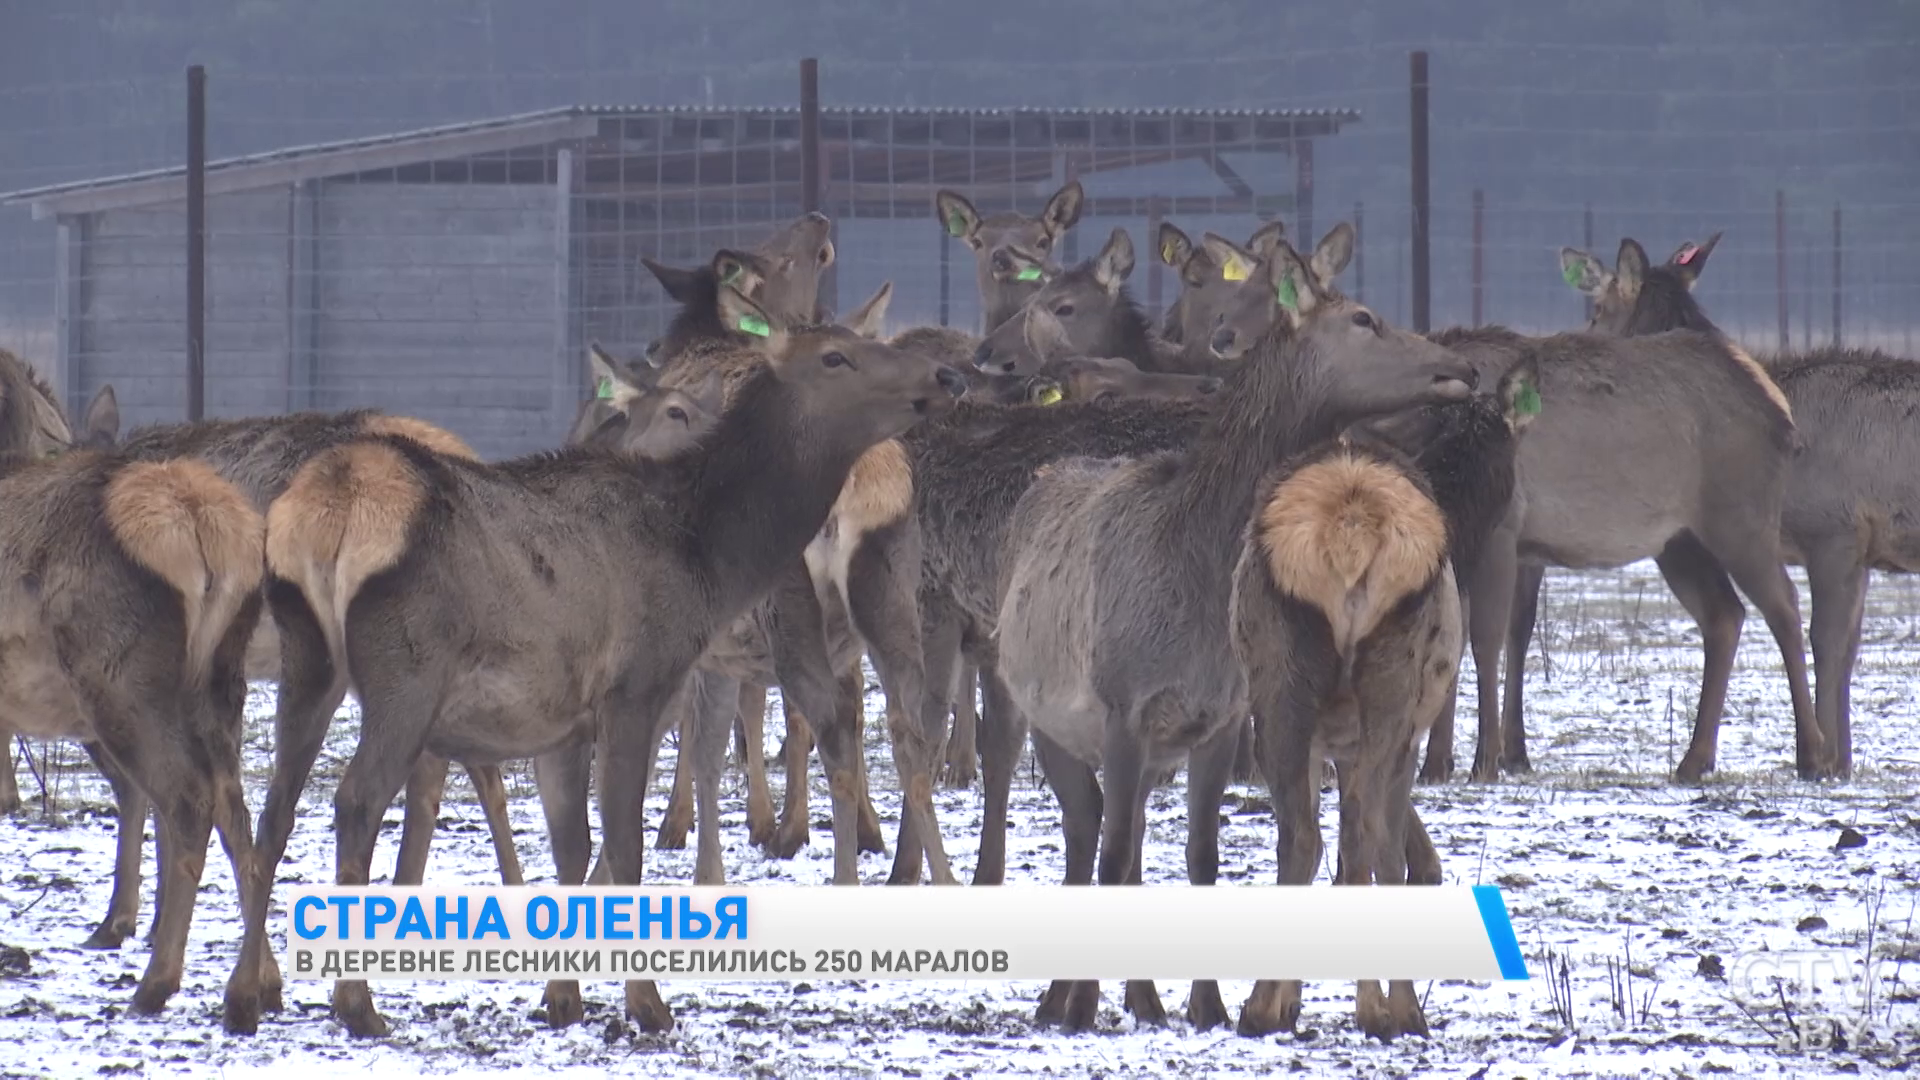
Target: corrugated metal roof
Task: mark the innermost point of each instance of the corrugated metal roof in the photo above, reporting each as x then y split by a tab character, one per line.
536	119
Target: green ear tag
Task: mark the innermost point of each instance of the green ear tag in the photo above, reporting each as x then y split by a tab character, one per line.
1288	295
605	390
755	325
1048	396
956	223
1571	272
1527	401
1030	273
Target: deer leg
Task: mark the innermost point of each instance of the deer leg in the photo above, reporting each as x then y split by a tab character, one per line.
1525	612
883	604
1246	762
680	815
490	787
806	675
1703	589
562	777
426	786
1003	734
1492	588
255	983
853	699
394	721
1286	711
791	833
1755	565
753	751
1077	788
959	770
1123	760
707	720
1438	766
311	690
631	724
132	805
1837	580
1207	773
183	801
9	784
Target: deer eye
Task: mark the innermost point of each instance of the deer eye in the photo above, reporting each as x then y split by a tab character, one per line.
1063	310
1363	320
1107	395
675	412
1044	243
834	359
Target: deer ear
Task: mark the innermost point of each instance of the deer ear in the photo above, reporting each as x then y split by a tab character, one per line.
101	424
1332	254
613	382
1692	258
956	215
1063	210
1583	271
1520	393
750	320
1235	264
1293	285
1261	244
1175	249
870	318
1114	264
680	283
1630	267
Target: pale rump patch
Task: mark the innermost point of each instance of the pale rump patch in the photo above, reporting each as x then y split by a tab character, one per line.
1352	536
199	534
437	439
344	518
1765	380
878	491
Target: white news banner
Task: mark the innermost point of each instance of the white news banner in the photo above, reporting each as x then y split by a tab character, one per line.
1180	932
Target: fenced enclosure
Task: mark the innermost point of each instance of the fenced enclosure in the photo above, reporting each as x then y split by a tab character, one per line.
447	244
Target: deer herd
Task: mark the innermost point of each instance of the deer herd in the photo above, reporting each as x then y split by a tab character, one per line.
1256	539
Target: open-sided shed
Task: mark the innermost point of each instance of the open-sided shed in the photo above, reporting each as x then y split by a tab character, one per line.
456	273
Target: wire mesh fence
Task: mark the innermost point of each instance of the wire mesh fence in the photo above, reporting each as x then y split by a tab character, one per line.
446	244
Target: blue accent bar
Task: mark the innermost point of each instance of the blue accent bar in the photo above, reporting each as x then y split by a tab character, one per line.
1506	947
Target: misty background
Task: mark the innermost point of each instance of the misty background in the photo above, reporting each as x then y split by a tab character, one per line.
1667	119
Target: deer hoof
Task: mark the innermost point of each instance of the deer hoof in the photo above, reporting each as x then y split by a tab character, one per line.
788	839
353	1007
1083	1008
271	997
673	835
111	935
242	1014
959	775
760	825
563	1006
151	997
648	1012
1436	770
1485	771
1143	1001
1205	1010
1053	1003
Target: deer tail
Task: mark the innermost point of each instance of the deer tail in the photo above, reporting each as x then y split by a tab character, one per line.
198	533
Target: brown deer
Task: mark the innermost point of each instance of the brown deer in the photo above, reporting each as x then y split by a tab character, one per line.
1210	272
1109	560
1346	617
1850	492
782	275
586	585
1011	250
133	589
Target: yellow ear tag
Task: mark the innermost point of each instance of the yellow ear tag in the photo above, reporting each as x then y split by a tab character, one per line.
1167	253
1048	396
1235	270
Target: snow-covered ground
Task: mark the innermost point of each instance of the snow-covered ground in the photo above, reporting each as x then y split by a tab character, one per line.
1609	868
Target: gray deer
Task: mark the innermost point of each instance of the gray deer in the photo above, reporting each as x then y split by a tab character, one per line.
1111	563
1852	493
585	584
